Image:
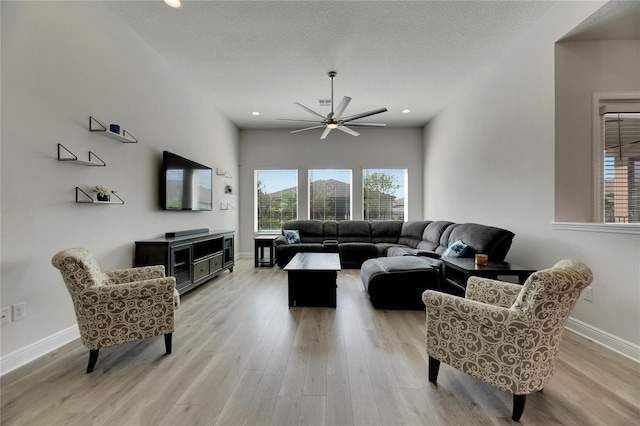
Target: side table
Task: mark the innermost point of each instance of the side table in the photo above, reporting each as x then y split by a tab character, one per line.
260	243
458	270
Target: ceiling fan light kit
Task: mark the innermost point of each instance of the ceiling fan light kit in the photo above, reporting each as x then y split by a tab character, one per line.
334	119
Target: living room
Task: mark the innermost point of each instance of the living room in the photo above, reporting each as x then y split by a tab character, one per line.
490	157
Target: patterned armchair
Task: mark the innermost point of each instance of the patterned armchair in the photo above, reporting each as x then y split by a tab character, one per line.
504	334
120	306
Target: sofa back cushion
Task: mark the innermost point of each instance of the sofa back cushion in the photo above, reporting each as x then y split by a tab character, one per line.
350	231
432	234
330	230
489	240
385	231
411	233
310	231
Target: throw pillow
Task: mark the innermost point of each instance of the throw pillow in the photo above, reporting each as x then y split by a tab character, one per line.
457	249
292	237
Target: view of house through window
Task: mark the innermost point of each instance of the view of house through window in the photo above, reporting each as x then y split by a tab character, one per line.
330	194
276	198
621	161
384	192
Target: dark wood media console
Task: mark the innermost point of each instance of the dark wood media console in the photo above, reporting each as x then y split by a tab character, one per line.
191	259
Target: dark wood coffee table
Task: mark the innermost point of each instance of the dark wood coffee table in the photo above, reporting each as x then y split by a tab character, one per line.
458	270
313	279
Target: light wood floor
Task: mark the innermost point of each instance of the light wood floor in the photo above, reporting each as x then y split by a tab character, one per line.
242	357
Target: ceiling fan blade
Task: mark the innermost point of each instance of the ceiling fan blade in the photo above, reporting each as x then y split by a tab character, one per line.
368	124
300	121
325	133
341	107
310	110
348	130
363	114
308	128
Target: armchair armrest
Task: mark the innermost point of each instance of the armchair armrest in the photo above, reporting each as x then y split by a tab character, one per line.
129	275
492	292
455	311
157	287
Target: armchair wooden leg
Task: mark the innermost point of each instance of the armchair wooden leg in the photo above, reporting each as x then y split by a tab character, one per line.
518	407
167	342
93	358
434	367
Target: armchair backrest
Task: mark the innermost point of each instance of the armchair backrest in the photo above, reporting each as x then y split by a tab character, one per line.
546	300
79	270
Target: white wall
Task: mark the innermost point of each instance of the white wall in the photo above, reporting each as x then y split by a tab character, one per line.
62	62
582	68
278	149
499	168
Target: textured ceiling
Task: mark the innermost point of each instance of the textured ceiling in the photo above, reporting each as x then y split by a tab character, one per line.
264	55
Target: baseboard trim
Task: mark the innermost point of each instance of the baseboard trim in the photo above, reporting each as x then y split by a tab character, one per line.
23	356
608	340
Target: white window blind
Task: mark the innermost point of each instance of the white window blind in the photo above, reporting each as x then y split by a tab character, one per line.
384	194
276	195
621	162
330	194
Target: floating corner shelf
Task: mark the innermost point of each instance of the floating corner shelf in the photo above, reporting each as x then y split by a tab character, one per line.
84	198
226	206
96	126
224	173
65	155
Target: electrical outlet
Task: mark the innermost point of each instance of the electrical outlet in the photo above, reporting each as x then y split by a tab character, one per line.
588	294
19	311
6	315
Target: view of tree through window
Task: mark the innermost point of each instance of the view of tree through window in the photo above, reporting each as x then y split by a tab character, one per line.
384	194
330	194
277	198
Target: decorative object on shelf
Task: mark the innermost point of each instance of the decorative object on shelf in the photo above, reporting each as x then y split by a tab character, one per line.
228	189
125	137
83	197
104	193
224	173
115	128
74	160
226	206
482	259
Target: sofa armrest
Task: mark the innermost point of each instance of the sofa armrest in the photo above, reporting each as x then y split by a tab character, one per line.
280	240
426	253
492	292
128	275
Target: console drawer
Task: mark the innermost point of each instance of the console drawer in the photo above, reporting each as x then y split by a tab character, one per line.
200	269
215	263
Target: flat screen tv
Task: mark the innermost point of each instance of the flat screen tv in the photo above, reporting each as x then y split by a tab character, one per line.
185	184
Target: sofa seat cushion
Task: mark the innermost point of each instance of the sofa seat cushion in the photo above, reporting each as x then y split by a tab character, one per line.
353	254
398	282
383	248
408	251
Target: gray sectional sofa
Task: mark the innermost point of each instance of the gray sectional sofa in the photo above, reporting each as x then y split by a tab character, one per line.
398	260
360	240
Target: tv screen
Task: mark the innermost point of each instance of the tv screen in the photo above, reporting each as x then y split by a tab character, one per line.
185	184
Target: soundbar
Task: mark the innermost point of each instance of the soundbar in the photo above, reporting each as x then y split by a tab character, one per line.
186	232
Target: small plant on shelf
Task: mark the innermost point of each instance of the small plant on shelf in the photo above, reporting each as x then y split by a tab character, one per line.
104	193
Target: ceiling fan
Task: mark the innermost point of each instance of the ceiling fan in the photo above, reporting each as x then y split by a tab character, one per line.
334	119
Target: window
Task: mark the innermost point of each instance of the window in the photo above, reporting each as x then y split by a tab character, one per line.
619	163
330	194
384	193
276	198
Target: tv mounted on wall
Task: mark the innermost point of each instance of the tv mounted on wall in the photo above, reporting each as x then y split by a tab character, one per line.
185	184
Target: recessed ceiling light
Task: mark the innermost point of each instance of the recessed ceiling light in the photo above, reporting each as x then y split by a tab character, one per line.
176	4
406	111
255	113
